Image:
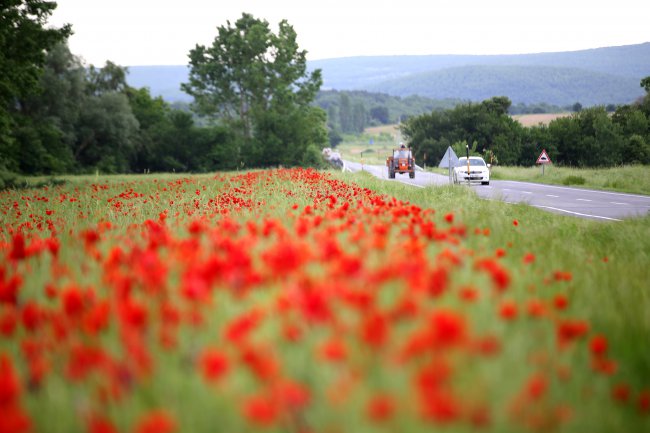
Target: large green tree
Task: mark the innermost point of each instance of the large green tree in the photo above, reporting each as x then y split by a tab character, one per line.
487	124
24	40
254	80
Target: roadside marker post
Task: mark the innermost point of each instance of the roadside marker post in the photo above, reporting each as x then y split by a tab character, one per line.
543	159
468	177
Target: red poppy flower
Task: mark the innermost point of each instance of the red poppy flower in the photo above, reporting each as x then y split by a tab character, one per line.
529	258
380	408
508	310
621	392
99	424
598	345
9	383
261	410
213	364
156	421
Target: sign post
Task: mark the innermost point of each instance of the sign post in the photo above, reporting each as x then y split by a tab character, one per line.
449	160
543	159
468	177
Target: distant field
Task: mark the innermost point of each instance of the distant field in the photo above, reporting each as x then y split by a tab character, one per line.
524	119
383	129
536	119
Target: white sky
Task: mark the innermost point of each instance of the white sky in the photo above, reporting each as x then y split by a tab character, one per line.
162	32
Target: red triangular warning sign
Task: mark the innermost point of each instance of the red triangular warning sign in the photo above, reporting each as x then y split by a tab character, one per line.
543	158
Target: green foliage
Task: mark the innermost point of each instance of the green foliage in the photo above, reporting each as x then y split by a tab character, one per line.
380	114
24	39
373	108
633	179
645	83
538	108
589	138
460	148
485	125
574	180
7	178
256	81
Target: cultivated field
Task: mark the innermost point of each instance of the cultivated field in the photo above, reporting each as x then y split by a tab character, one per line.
537	119
306	301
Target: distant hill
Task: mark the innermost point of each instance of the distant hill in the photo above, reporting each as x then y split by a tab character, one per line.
525	84
163	81
358	72
560	78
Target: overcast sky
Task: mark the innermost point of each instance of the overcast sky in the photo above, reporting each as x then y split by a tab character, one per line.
162	32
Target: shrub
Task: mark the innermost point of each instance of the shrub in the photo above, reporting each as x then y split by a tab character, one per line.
574	180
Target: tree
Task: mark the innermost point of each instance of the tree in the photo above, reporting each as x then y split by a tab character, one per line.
24	41
250	75
645	83
44	123
358	117
110	78
498	105
577	107
380	114
345	113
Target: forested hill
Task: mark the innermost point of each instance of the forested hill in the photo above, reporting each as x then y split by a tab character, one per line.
596	76
522	84
631	61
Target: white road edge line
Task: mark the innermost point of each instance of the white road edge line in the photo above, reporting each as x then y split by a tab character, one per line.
577	213
545	185
412	184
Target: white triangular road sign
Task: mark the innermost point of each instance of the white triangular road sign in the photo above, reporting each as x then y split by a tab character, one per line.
543	158
450	159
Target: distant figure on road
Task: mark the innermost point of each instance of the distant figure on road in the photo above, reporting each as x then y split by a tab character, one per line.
332	157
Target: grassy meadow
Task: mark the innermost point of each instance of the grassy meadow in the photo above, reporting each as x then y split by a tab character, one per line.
631	179
306	301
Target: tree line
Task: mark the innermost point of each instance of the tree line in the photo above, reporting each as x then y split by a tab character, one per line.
591	137
255	105
252	104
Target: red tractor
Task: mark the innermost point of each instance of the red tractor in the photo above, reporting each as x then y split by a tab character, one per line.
401	161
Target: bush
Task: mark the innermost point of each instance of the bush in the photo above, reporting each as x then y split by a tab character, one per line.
8	179
573	180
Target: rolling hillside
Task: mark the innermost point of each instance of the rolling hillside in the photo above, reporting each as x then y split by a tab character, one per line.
596	76
526	84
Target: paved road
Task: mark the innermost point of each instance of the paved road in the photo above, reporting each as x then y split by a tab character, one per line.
584	203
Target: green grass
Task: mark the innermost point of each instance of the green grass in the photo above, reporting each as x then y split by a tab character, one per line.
612	294
632	179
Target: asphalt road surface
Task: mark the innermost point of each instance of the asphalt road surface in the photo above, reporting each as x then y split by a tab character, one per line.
584	203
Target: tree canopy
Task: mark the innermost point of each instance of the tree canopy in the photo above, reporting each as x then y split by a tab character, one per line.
256	80
24	41
588	138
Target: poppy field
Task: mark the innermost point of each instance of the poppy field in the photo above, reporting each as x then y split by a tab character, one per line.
295	300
